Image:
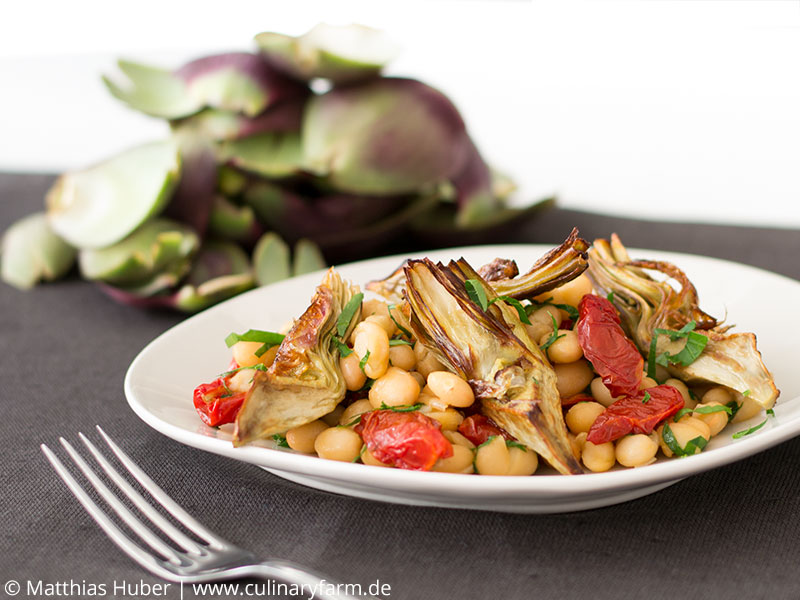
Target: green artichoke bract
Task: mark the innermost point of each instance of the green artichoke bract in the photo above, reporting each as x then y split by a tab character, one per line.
31	252
216	124
272	155
220	271
229	221
235	81
99	206
339	54
384	137
271	259
154	247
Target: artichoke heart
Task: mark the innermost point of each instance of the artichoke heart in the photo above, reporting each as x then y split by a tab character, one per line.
305	381
492	350
646	304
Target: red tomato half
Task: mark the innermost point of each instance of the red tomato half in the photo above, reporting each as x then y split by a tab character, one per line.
605	345
214	403
478	428
633	415
407	440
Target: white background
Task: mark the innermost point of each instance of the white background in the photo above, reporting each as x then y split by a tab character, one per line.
680	110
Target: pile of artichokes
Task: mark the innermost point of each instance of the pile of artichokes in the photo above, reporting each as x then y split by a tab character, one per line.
276	159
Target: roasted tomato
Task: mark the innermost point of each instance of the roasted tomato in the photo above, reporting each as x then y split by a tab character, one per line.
407	440
636	414
215	403
612	354
478	428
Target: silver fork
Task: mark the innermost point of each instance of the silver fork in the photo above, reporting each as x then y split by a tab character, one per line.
192	562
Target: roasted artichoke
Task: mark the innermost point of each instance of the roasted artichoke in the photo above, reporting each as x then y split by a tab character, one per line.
492	350
646	305
305	381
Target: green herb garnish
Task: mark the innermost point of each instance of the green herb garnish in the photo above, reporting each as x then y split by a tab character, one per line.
402	329
476	293
400	343
347	314
646	398
268	339
610	296
695	344
515	444
702	410
691	446
570	310
553	336
343	322
258	367
734	406
770	412
523	315
746	393
411	408
363	362
360	454
355	421
344	350
754	428
280	440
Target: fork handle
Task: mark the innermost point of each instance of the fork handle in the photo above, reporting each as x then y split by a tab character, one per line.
323	587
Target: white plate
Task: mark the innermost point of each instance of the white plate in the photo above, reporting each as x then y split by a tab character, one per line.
161	379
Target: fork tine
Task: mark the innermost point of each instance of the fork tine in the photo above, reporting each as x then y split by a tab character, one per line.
168	503
123	542
122	511
141	503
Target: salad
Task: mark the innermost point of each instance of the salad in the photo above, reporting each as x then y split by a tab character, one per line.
587	361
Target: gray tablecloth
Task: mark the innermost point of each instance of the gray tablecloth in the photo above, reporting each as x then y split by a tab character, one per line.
732	532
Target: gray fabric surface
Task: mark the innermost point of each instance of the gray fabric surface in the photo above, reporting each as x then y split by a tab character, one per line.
65	348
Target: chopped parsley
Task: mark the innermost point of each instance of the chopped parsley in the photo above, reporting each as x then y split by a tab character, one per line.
363	362
753	429
646	398
397	342
553	336
515	444
734	406
570	310
343	322
268	339
360	454
702	410
412	408
691	446
258	367
695	344
402	329
280	440
477	294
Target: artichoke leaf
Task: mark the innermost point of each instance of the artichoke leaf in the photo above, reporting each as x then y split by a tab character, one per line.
645	304
492	350
31	252
557	267
305	381
100	205
342	54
